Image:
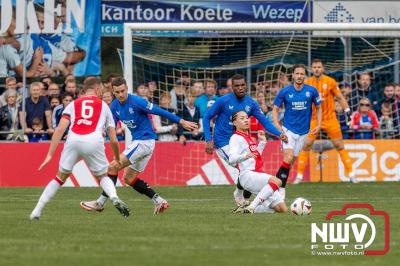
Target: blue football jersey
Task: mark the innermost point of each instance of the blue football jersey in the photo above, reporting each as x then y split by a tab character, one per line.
134	113
222	111
298	107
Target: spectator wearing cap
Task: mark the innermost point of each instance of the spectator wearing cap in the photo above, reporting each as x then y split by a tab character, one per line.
363	90
9	118
364	121
36	106
178	95
11	84
190	113
208	95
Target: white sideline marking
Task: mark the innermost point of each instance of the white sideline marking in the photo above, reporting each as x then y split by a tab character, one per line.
196	181
214	173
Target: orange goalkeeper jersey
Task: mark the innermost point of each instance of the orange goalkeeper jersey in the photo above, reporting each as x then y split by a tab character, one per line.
327	88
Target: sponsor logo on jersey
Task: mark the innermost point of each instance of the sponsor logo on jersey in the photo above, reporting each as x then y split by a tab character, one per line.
84	121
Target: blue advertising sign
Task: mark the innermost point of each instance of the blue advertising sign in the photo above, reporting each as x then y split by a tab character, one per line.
63	38
115	13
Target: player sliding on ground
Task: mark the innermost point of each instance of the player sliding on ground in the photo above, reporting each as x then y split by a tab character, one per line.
86	118
222	111
298	99
328	90
246	155
134	112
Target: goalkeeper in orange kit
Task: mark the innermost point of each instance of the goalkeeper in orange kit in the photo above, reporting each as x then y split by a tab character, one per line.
328	90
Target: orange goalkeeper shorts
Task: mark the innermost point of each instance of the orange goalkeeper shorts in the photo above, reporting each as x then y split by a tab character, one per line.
331	127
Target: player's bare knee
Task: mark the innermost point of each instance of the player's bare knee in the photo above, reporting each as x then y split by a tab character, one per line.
281	208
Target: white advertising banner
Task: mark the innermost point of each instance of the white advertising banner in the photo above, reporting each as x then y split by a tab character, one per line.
357	12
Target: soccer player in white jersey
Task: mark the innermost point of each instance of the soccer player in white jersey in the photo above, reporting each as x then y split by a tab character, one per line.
298	99
86	118
134	112
245	153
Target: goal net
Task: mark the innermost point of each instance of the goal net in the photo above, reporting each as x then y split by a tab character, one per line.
363	58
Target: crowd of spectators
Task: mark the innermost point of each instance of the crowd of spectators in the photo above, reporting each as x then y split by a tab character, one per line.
376	112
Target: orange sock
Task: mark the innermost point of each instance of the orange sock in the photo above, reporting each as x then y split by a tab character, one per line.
302	161
348	166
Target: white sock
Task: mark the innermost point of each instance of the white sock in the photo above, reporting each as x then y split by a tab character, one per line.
102	200
108	186
264	194
263	208
282	190
238	193
157	199
49	192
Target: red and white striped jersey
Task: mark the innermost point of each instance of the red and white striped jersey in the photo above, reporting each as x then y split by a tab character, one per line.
88	116
241	144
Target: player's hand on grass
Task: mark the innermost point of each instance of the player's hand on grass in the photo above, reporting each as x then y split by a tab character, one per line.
315	130
209	147
284	138
46	161
188	125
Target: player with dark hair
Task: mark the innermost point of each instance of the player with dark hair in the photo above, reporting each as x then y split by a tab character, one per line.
245	153
328	91
134	112
222	110
298	99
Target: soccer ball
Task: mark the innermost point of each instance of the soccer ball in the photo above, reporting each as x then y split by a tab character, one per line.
301	206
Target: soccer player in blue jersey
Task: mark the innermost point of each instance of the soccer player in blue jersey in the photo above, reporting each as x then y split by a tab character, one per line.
222	110
297	99
134	112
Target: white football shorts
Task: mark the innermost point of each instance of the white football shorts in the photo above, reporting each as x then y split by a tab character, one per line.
295	141
92	153
139	153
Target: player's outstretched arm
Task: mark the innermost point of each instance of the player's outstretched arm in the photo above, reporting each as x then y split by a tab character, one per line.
188	125
275	112
62	126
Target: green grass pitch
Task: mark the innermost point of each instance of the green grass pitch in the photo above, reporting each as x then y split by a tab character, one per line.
198	229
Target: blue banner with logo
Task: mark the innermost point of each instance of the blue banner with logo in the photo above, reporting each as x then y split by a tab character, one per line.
63	38
115	13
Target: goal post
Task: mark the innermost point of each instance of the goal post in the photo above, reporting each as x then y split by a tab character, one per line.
376	29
